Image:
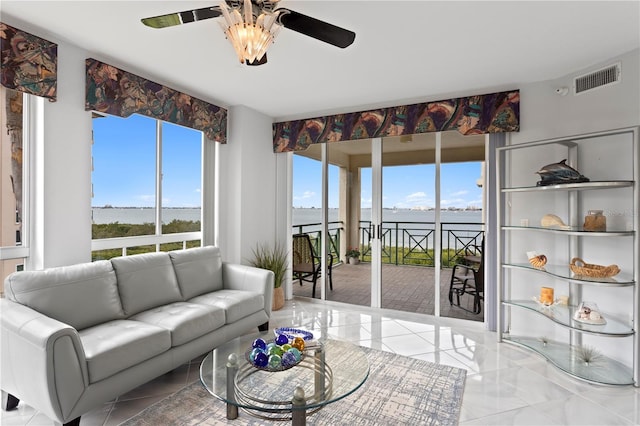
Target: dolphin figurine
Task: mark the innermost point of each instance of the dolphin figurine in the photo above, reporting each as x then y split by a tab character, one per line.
557	173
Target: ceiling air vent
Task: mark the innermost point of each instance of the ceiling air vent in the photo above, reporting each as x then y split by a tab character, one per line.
599	78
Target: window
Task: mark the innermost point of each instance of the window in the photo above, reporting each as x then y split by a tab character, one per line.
147	179
12	170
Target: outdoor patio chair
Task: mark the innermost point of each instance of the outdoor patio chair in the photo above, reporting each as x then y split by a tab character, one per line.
306	263
468	279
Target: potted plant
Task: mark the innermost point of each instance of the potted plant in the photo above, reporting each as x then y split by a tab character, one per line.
353	256
274	258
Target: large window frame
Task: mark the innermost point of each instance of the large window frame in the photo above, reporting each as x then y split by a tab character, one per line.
158	239
18	254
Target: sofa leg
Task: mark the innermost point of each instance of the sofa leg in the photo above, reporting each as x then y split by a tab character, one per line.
74	422
264	327
9	402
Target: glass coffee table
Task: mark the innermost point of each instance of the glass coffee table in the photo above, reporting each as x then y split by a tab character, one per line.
329	371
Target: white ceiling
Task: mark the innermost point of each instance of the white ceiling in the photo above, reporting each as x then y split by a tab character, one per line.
404	52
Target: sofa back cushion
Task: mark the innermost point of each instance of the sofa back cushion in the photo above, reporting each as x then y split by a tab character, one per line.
199	270
145	281
80	295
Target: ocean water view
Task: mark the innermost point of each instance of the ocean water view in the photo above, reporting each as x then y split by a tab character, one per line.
301	216
403	227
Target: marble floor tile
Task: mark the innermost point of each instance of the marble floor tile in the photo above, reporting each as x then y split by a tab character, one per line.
577	410
519	416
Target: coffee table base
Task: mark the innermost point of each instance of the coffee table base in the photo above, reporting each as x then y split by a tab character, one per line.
294	410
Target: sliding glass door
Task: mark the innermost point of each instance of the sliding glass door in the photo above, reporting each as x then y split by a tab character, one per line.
382	214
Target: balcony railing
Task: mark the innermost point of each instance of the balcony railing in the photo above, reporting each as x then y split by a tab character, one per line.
407	243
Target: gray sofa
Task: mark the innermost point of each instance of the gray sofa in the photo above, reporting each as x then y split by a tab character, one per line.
76	337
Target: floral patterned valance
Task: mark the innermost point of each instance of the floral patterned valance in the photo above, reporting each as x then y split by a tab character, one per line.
121	93
29	63
491	113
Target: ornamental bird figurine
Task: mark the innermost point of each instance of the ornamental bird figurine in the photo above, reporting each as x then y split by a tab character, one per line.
557	173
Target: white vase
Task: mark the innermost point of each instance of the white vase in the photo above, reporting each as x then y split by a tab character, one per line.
354	261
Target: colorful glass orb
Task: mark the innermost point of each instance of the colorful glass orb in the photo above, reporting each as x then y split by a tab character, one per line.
269	346
259	343
254	352
298	343
286	347
296	353
275	361
288	359
261	360
275	350
282	339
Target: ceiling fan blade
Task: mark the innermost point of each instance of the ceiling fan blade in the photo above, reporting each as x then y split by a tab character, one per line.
257	62
185	17
315	28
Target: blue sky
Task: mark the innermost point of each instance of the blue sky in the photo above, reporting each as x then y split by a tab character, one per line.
124	163
124	172
403	186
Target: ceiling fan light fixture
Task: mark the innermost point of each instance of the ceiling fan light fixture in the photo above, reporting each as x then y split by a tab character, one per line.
249	39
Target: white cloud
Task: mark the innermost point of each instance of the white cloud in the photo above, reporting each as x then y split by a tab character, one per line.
415	200
305	195
459	193
416	195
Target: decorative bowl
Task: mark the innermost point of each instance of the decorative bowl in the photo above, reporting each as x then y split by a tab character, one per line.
273	357
292	333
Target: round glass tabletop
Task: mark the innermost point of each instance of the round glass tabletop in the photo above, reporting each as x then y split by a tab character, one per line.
329	371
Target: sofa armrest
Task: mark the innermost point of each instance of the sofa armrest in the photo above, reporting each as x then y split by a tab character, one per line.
42	362
249	278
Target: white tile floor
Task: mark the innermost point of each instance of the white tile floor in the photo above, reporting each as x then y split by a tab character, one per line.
505	384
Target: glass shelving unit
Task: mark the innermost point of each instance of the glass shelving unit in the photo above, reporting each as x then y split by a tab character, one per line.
516	277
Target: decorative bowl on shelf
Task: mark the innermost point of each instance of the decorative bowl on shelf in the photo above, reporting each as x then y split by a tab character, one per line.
580	267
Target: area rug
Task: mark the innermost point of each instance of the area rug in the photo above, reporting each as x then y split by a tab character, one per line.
399	390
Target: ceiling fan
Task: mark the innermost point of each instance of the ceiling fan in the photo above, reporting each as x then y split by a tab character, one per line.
252	25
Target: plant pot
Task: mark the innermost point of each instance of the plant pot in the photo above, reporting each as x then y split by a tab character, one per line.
278	299
354	261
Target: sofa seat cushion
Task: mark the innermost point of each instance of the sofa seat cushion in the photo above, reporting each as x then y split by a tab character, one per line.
237	304
185	321
117	345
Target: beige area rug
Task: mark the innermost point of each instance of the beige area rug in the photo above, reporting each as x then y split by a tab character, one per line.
399	391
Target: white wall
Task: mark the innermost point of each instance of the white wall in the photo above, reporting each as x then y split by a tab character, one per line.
544	114
67	168
248	211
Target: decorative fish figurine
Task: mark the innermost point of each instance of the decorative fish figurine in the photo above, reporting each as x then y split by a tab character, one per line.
556	173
